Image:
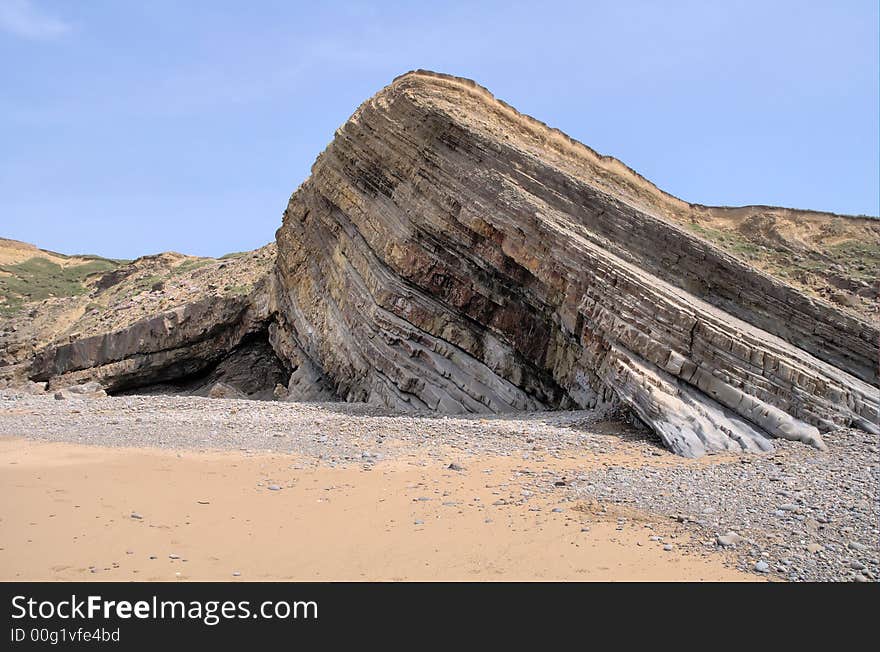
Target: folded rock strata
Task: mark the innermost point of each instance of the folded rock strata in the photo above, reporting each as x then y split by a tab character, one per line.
210	337
449	254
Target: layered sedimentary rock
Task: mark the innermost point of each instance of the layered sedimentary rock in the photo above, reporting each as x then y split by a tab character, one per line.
174	345
450	254
167	323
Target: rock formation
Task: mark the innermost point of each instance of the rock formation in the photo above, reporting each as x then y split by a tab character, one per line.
167	323
449	254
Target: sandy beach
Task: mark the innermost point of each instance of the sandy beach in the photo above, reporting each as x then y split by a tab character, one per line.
111	488
75	512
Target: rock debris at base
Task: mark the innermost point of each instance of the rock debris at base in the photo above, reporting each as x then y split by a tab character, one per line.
828	531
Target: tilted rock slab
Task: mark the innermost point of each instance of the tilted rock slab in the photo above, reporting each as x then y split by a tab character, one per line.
169	346
450	254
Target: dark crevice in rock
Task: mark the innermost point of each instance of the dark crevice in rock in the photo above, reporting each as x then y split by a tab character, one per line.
250	370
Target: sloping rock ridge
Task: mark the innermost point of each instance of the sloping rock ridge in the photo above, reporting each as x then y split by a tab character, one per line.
449	254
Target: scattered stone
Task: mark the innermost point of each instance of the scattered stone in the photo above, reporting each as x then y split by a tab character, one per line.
729	540
855	545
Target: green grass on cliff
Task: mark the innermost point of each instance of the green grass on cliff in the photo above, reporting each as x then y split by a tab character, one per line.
37	278
855	259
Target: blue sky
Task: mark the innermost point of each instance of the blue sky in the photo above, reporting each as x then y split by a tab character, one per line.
128	128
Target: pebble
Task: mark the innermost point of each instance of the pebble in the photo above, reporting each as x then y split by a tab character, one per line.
857	565
762	567
274	487
729	540
855	545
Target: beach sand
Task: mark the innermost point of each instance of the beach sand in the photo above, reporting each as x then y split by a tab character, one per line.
75	512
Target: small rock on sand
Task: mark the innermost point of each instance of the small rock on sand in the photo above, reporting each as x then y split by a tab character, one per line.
729	540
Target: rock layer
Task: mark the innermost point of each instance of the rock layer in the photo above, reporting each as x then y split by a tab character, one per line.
184	343
450	254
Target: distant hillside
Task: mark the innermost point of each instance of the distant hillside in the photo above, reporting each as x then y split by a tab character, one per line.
28	274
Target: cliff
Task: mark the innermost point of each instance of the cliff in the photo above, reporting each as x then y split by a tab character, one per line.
449	254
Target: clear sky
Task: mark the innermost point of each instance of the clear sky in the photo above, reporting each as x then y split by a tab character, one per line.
131	127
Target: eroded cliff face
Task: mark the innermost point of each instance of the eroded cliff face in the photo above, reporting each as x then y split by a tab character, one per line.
450	254
168	323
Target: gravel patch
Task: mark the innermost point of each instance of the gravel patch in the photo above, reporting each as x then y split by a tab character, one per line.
797	514
330	432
